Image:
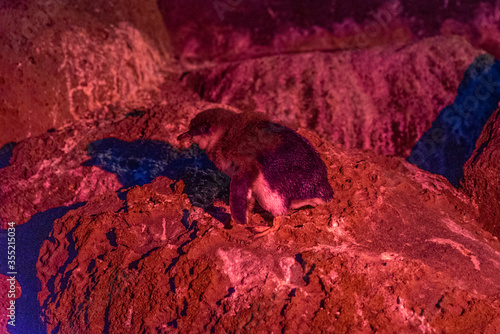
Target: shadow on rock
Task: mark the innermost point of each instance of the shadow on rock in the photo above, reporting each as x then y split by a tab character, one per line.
6	154
448	144
141	161
29	238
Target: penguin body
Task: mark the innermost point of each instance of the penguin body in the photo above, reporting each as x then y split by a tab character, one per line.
266	161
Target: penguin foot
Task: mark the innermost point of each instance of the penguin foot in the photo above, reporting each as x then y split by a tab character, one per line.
265	230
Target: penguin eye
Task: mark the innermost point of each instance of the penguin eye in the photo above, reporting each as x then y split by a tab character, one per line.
204	128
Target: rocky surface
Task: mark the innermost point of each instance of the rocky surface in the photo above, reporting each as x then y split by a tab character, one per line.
235	30
398	249
62	169
60	60
48	171
229	30
482	175
66	59
381	99
93	95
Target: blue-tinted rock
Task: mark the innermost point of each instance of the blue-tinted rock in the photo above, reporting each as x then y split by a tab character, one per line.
448	144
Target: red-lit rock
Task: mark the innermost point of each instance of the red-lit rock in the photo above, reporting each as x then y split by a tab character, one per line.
60	60
482	175
235	30
397	250
47	172
381	99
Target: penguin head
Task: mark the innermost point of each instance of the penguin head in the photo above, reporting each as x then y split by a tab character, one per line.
207	127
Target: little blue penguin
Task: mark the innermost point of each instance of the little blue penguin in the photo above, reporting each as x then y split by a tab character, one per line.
266	162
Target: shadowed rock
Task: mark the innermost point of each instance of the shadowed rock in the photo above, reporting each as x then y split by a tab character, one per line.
448	144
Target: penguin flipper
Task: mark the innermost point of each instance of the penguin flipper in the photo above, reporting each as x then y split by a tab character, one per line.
238	195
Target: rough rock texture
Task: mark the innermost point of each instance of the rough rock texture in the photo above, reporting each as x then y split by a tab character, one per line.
60	60
482	175
227	30
140	243
222	30
382	99
48	171
397	250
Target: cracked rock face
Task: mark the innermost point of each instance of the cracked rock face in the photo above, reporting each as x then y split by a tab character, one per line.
397	249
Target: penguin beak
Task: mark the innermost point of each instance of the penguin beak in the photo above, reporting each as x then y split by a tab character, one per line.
184	136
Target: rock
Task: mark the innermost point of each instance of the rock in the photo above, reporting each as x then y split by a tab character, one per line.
234	30
381	99
449	142
48	171
480	26
93	96
482	175
60	61
398	249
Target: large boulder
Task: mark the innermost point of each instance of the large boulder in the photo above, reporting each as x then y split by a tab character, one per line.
60	60
398	249
381	99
